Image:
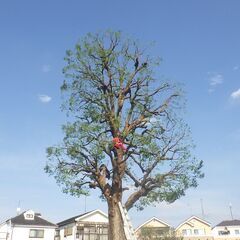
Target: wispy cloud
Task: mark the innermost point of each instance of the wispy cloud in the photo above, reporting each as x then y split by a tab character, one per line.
210	90
235	68
215	79
236	94
44	98
46	68
235	135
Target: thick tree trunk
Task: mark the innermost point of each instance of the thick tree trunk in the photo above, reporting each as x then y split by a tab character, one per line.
116	227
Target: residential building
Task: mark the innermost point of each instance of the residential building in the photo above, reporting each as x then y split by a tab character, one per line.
28	225
92	225
152	228
194	228
227	230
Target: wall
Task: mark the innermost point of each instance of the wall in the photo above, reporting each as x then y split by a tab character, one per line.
70	237
231	235
22	233
3	231
95	217
195	224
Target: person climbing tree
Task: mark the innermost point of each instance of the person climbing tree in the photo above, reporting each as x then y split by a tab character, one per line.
118	142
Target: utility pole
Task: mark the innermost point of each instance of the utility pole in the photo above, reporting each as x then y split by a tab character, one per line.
85	203
230	208
203	214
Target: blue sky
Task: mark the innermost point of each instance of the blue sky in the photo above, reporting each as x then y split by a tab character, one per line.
199	42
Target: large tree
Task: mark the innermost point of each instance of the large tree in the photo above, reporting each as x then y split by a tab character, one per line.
112	92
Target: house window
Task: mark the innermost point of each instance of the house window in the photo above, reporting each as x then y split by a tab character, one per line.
189	232
224	232
36	233
237	231
68	231
196	232
199	232
57	232
184	232
57	235
92	232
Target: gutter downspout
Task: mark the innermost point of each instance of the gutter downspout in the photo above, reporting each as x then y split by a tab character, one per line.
11	229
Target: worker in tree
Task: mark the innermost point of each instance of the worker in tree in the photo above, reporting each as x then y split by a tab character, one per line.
118	142
136	64
104	174
104	171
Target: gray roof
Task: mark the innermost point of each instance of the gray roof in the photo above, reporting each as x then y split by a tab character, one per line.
228	223
37	221
71	220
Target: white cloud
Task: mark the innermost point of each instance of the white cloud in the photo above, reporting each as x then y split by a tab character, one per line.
210	90
235	68
215	79
46	68
235	135
236	94
44	98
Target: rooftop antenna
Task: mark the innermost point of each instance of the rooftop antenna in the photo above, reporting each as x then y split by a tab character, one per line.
203	214
18	208
190	208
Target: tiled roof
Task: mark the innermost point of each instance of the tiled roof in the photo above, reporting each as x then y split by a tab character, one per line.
79	217
153	219
191	218
71	220
37	221
229	223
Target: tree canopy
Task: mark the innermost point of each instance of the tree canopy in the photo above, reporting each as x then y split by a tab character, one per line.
112	89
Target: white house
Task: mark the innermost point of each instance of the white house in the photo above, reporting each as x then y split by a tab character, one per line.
227	230
28	225
92	225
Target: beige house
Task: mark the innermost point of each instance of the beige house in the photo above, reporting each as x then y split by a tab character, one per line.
152	229
194	228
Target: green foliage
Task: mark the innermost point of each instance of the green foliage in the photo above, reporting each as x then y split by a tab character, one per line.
110	87
158	233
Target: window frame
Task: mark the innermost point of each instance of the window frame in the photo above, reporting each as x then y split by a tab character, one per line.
36	231
68	231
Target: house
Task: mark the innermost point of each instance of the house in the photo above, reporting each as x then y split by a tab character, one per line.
227	230
86	226
28	225
152	228
194	228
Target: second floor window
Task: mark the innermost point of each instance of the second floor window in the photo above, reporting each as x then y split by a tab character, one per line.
36	233
224	232
68	231
186	232
199	232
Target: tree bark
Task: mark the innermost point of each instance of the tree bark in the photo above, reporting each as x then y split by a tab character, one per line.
116	226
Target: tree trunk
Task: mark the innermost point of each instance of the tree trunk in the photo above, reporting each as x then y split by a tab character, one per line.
116	226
